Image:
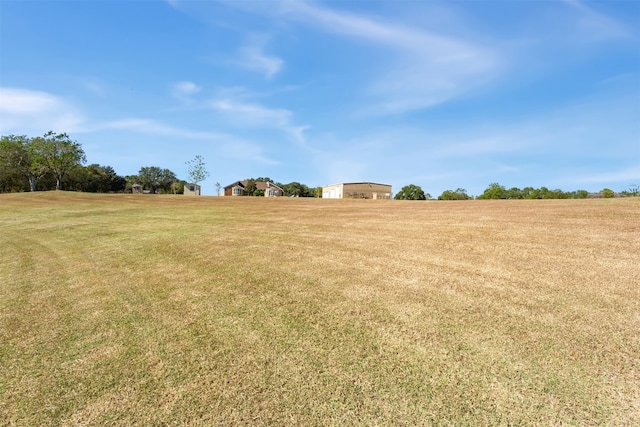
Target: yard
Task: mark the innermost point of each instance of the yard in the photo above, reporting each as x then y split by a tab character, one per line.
175	310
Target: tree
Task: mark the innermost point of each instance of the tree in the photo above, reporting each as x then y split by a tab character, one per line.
197	171
514	193
410	192
579	194
250	188
177	186
296	189
95	179
494	191
607	193
218	186
458	194
59	154
632	191
155	178
11	178
21	154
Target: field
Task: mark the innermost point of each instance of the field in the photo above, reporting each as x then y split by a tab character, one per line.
175	310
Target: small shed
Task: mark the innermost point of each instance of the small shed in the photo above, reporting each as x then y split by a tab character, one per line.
191	190
136	189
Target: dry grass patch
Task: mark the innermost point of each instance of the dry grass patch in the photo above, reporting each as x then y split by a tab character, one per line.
200	311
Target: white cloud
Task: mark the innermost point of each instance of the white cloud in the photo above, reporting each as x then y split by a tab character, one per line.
427	68
253	114
253	58
597	26
25	111
247	114
229	146
245	151
155	127
184	90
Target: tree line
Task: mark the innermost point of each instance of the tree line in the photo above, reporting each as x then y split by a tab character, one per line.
54	161
497	191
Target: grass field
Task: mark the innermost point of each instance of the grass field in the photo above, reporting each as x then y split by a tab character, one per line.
170	310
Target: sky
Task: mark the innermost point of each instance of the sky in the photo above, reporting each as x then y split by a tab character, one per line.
440	94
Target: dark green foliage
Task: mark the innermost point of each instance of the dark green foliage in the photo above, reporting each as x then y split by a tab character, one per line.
292	189
458	194
411	192
95	179
35	158
250	188
156	179
497	191
22	155
296	189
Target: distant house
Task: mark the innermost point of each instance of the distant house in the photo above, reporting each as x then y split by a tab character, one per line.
238	189
191	190
357	190
136	189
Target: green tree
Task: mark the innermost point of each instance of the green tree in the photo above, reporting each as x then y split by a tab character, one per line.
154	178
607	193
20	154
580	194
197	170
95	179
59	154
458	194
514	193
296	189
177	186
131	180
410	192
494	191
250	188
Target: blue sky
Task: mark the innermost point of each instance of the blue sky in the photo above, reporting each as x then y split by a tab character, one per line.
441	94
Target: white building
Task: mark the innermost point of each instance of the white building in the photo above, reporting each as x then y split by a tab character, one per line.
357	190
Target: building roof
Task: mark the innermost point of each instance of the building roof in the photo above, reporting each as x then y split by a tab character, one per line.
261	185
357	183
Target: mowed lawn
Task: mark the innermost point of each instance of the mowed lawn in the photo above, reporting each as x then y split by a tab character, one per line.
176	310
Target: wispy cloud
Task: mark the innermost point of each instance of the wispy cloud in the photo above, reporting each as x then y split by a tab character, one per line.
253	58
185	90
245	151
595	25
154	127
256	115
426	68
35	112
230	146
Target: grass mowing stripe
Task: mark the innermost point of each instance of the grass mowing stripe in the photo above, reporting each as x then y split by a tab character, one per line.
152	310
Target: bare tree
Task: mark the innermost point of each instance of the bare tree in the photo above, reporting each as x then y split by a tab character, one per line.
197	171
